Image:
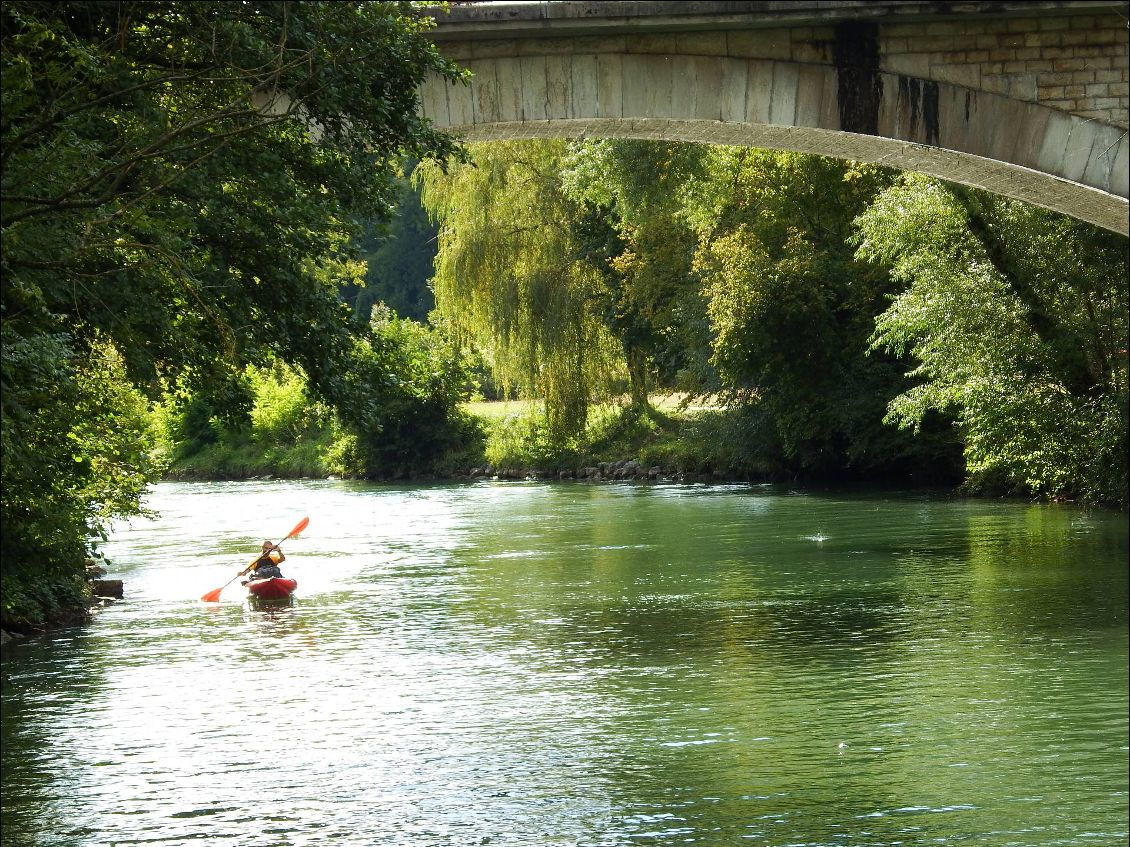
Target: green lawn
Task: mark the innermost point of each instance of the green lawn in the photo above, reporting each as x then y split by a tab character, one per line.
496	409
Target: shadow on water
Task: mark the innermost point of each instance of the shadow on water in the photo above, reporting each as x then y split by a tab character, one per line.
1048	574
271	608
847	627
44	679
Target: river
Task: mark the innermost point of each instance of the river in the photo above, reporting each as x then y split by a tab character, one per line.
530	664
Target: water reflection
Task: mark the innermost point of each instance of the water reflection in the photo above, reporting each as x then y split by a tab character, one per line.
587	665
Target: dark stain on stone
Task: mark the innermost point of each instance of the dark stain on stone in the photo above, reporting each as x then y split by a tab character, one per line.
855	53
921	97
930	111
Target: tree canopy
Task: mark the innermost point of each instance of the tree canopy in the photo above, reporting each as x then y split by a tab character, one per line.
1018	320
858	321
180	186
512	275
400	260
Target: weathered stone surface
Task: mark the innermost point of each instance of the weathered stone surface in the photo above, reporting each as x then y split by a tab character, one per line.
1027	100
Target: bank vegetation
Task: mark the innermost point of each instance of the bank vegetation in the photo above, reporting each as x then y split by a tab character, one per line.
204	278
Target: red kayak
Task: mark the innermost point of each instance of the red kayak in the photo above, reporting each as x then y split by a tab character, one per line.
274	588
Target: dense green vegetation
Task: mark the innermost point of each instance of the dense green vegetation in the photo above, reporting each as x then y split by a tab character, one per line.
1018	320
512	277
181	183
214	265
399	259
856	322
291	432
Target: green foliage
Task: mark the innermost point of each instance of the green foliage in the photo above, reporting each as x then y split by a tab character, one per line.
408	419
284	433
284	413
1018	318
344	457
635	229
738	442
523	440
622	432
177	180
728	442
791	311
416	420
78	452
400	262
512	278
198	222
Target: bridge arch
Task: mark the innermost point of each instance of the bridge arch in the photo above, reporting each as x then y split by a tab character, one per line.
849	108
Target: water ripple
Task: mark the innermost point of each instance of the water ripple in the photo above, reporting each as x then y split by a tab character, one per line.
588	666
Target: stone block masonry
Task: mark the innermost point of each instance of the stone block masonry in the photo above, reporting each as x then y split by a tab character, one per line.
1074	63
1028	100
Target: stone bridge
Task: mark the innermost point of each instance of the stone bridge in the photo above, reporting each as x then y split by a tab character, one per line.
1025	99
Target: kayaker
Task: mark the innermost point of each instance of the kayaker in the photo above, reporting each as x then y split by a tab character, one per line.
267	565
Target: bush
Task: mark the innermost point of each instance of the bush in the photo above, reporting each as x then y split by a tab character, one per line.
284	413
403	411
522	440
75	457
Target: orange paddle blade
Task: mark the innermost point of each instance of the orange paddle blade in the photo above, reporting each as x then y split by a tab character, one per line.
302	524
212	596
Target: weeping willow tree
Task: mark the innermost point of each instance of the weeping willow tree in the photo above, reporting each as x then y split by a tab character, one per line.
512	277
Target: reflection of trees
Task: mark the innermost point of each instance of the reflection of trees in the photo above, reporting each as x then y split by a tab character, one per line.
703	659
1011	663
720	661
1047	570
747	702
776	680
41	677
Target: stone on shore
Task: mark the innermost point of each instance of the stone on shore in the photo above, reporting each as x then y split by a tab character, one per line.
111	588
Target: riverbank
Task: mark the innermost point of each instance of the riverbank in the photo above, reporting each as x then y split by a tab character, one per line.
66	609
671	440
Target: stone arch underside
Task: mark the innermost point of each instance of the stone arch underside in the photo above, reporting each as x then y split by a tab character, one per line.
1021	150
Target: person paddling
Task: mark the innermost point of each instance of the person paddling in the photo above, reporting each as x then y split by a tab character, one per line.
213	596
267	565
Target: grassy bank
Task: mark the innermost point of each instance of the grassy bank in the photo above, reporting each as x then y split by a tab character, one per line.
671	438
670	434
245	458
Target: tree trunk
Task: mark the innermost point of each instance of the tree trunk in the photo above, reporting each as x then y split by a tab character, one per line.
637	372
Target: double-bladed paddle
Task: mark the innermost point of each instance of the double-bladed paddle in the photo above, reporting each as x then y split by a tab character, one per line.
214	595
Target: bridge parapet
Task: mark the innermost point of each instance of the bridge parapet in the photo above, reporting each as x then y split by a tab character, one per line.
1068	56
1027	99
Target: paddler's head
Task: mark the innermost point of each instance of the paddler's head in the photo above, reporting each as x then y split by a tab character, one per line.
267	545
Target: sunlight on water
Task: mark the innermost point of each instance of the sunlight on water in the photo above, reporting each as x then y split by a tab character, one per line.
529	664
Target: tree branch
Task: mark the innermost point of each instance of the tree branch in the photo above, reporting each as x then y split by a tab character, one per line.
1066	347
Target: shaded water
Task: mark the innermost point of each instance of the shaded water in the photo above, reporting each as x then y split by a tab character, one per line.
529	664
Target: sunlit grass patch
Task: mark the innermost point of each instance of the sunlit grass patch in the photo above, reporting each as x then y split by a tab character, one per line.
517	435
497	409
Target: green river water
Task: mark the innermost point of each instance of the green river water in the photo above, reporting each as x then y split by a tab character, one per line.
537	664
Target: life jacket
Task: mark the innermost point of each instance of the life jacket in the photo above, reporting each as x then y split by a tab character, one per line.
267	566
